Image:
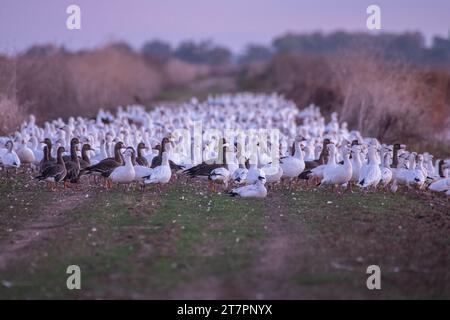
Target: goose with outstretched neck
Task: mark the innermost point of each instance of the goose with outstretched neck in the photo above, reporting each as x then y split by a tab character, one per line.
85	160
140	159
106	166
204	169
321	161
157	160
73	163
47	160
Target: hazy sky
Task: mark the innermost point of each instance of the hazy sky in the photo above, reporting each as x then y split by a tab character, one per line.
230	22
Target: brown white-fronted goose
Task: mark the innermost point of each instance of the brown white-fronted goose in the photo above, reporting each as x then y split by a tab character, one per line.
157	160
47	160
56	172
204	169
397	147
106	166
85	161
73	163
140	159
323	159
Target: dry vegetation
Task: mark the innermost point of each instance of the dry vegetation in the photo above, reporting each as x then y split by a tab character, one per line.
388	100
54	83
384	98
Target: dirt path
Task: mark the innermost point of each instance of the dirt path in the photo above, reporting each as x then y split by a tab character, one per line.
51	220
274	265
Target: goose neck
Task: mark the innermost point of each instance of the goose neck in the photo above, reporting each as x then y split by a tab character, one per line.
298	152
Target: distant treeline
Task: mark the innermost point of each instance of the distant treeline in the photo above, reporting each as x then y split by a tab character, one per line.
390	86
410	47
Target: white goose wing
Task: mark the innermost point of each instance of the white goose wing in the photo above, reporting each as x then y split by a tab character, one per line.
142	172
441	185
250	191
240	175
371	177
219	174
160	174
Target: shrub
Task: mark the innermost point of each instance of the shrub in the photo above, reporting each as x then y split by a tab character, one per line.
12	115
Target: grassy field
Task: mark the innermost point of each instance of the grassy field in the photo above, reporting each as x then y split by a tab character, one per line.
185	242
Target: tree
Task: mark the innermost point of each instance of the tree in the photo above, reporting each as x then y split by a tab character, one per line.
203	52
255	53
158	49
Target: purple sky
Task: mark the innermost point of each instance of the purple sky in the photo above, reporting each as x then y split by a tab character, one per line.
230	22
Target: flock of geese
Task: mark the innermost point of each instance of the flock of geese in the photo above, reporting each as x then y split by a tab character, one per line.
156	147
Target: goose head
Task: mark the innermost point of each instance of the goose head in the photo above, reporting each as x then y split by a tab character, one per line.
141	146
59	153
119	146
47	142
74	143
129	152
9	145
86	147
262	179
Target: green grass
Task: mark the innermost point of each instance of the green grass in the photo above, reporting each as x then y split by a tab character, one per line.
109	235
130	244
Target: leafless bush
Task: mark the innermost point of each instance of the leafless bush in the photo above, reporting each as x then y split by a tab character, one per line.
11	115
305	78
182	73
109	77
387	100
45	85
54	83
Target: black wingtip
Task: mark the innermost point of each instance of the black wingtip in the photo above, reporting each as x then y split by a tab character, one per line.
305	175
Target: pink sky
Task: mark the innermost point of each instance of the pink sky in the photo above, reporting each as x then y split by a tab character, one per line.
232	22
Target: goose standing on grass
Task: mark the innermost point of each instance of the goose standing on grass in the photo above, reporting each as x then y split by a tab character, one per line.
25	154
124	174
256	190
141	172
254	172
239	175
72	163
10	159
203	169
56	172
38	154
160	174
48	159
385	167
157	160
416	175
356	162
337	174
85	160
140	158
370	174
293	165
314	169
102	155
106	166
